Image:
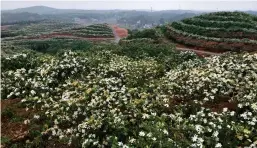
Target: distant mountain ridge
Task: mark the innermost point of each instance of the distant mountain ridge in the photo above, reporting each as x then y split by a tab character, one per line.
50	10
132	18
34	9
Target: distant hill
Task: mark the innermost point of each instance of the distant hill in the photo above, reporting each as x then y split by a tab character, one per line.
130	18
50	10
34	9
252	12
23	17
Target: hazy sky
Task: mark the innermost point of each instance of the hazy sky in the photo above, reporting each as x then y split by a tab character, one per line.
156	5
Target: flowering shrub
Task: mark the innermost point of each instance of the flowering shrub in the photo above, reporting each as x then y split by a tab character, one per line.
109	100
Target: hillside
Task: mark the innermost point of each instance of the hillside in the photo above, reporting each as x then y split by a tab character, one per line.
67	85
219	31
12	18
34	9
122	17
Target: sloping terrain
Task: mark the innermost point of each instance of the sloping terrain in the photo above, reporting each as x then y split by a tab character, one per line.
219	32
140	93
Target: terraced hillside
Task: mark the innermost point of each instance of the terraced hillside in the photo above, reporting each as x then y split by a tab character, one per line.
31	29
218	32
96	30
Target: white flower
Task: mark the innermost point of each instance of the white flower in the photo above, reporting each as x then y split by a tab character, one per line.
132	140
125	146
198	128
254	106
95	143
32	92
215	134
26	121
141	134
83	131
232	113
225	109
36	116
145	116
154	114
218	145
53	132
149	135
165	132
120	143
200	140
154	139
61	136
194	138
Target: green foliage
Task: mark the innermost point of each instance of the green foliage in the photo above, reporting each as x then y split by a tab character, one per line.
211	43
55	45
5	140
41	46
19	61
216	32
146	33
219	24
133	94
7	113
96	30
20	18
221	31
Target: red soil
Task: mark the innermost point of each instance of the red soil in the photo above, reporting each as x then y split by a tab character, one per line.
5	27
211	46
15	131
120	32
202	52
222	102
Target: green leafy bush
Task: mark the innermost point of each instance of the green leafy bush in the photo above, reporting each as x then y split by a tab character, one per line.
146	33
138	95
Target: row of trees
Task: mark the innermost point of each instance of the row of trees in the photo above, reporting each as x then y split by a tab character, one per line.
219	24
239	33
215	44
228	18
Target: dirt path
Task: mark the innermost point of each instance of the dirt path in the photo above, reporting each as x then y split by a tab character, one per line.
200	52
181	47
119	32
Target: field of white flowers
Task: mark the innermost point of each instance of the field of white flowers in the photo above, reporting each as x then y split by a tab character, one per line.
110	98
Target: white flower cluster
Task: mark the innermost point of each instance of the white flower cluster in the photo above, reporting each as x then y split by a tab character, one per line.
108	100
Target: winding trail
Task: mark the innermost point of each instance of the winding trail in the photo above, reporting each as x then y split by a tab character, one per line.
199	52
181	47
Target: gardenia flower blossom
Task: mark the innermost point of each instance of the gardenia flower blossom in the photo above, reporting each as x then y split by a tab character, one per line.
111	93
194	138
141	134
218	145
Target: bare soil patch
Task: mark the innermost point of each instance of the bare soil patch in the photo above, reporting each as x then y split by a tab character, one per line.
5	27
120	32
11	129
